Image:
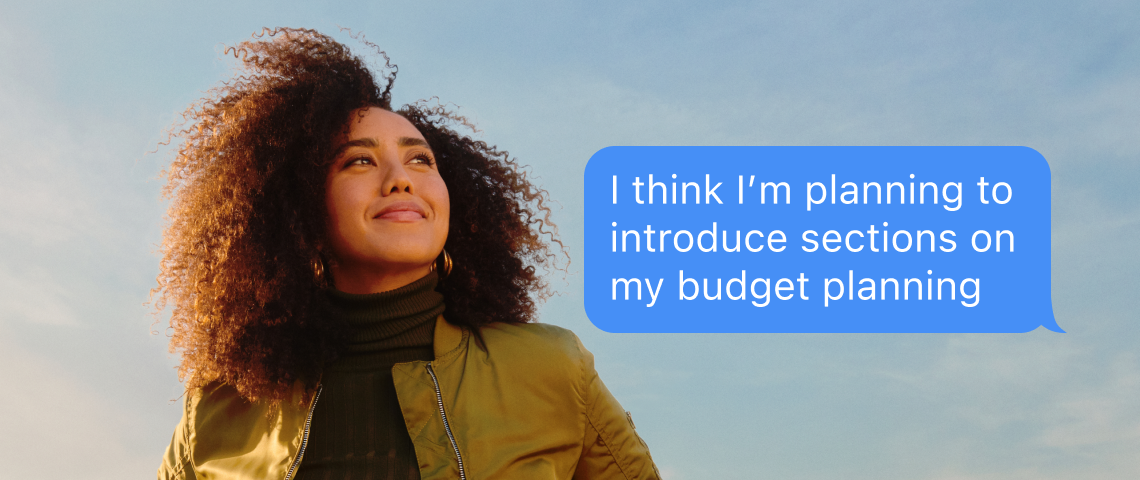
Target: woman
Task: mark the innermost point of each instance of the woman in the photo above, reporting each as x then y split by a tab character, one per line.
351	288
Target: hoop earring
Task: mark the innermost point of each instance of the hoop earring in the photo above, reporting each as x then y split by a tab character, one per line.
319	269
444	268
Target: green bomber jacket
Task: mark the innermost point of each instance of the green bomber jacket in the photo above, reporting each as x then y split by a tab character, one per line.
528	405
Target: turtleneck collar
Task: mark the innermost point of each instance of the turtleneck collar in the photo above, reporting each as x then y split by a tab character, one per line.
387	323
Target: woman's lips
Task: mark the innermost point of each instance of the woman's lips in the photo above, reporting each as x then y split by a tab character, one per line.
402	212
401	216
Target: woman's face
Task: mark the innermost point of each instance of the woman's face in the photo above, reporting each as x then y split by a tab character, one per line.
388	207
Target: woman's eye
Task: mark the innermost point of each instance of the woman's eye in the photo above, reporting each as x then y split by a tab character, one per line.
359	161
423	159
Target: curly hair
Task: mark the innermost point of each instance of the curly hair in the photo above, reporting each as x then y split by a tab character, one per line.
245	238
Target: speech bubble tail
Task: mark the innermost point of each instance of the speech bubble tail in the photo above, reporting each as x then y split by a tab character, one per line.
1053	327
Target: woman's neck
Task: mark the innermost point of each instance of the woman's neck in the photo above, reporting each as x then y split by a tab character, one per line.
362	281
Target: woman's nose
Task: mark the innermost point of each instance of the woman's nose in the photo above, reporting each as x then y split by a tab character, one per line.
396	178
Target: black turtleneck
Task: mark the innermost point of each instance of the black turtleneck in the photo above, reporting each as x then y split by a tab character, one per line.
358	430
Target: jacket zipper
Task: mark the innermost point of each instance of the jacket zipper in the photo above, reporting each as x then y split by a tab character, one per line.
446	425
304	436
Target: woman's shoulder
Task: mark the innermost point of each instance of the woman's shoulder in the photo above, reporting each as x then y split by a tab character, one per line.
219	394
536	338
543	332
226	431
220	407
539	348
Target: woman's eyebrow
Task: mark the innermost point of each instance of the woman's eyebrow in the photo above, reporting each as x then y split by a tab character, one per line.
412	142
369	142
360	142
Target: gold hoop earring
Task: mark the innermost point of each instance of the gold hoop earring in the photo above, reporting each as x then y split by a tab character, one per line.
319	269
444	268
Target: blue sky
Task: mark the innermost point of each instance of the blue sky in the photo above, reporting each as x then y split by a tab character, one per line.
87	90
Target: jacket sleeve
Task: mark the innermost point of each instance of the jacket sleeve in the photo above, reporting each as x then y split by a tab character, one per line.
176	463
611	447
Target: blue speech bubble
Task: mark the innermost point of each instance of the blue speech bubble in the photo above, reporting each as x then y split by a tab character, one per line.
818	239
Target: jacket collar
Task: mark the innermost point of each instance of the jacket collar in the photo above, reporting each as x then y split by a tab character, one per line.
448	338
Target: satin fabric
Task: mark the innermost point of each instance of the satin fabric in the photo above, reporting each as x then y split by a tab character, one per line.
529	405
